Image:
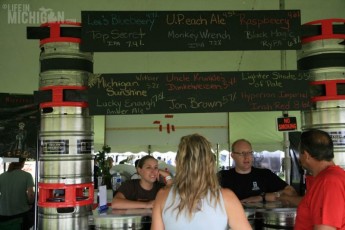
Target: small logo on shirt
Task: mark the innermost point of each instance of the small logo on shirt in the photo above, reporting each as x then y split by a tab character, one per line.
255	186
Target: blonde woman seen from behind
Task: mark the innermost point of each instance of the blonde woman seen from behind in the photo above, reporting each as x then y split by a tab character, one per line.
195	199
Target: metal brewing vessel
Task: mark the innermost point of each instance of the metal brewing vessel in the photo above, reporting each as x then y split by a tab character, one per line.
66	132
323	54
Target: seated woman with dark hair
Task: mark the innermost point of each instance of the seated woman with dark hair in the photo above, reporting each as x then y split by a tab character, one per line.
141	193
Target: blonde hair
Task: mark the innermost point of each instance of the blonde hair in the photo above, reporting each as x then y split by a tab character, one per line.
195	174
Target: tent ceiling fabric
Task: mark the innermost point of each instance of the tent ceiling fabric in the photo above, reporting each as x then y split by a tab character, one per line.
135	133
260	128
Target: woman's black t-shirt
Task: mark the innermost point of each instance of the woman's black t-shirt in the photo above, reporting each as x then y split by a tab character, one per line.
132	190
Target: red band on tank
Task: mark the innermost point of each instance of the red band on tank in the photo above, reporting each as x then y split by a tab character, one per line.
58	97
327	30
72	195
55	32
331	92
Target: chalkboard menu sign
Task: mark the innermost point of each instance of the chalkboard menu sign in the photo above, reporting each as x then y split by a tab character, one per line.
19	119
198	92
110	31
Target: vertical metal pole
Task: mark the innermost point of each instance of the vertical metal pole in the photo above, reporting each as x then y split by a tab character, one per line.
36	182
229	140
287	158
286	147
149	149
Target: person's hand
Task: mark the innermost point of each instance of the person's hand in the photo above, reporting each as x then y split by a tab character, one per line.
165	177
252	199
149	204
290	200
163	173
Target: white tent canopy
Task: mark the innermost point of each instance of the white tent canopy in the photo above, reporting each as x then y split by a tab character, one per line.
162	133
158	133
260	128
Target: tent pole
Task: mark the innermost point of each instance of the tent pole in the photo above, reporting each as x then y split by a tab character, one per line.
287	158
229	127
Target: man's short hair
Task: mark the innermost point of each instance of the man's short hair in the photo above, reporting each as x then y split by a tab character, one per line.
318	144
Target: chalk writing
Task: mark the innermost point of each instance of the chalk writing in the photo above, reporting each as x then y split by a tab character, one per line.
258	22
155	93
111	31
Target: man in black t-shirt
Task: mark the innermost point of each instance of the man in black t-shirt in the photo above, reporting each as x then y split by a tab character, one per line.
252	184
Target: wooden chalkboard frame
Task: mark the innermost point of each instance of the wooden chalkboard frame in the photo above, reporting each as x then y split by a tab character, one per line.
133	31
198	92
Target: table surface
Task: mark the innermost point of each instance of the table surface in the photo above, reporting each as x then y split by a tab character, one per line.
115	218
268	206
124	212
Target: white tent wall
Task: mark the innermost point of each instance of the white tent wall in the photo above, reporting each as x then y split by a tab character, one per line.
260	128
136	133
149	133
19	57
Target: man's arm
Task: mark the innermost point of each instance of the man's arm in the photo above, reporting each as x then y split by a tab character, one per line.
31	195
288	195
290	200
120	202
278	187
287	192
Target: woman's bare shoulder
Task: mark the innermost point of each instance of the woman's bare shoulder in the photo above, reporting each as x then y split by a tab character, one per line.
228	194
163	192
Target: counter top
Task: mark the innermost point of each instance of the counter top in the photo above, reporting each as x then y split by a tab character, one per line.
276	205
122	218
138	218
123	212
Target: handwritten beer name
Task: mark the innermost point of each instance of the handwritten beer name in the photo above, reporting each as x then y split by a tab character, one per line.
195	20
153	93
176	82
114	19
115	87
274	79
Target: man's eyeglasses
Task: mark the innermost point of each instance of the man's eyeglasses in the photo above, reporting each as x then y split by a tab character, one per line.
244	154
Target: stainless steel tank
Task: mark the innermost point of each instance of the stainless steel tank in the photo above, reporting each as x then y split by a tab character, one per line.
64	77
66	144
66	134
323	55
64	218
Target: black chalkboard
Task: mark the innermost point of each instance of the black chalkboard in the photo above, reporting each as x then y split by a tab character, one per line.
19	119
110	31
198	92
